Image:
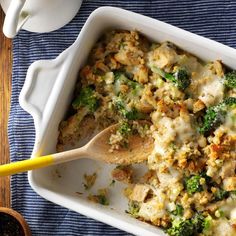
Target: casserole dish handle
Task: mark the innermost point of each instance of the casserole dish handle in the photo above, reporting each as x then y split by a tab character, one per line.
43	83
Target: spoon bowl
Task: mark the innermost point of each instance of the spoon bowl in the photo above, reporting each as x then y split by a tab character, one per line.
137	151
98	148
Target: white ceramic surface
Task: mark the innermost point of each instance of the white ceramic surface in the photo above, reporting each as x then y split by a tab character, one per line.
37	15
53	81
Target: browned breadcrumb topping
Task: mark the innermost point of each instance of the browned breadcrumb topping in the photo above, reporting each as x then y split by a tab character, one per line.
123	174
128	78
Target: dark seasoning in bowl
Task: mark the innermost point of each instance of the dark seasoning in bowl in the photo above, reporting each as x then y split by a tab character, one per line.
190	186
9	226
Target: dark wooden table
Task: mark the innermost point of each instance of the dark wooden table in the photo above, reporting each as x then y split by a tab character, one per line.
5	94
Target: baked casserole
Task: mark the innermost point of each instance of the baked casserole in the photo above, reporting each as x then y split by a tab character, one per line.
190	186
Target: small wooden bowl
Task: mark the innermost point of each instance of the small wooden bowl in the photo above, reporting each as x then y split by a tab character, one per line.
20	219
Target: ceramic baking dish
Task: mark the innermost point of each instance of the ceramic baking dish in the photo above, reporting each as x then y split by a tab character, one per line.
53	82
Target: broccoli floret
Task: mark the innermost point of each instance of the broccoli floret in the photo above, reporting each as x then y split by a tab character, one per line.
181	227
220	194
207	223
102	199
120	78
86	98
178	210
215	115
197	224
180	78
212	119
133	209
192	184
122	99
230	79
230	101
124	128
129	113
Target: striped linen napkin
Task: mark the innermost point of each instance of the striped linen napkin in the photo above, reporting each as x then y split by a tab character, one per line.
211	18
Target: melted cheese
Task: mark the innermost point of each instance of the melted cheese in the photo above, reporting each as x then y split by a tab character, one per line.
172	130
154	208
230	121
183	129
212	92
223	228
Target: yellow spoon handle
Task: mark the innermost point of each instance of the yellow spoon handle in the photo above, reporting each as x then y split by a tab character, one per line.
42	161
30	164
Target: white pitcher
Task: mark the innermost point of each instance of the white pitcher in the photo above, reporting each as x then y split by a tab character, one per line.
37	15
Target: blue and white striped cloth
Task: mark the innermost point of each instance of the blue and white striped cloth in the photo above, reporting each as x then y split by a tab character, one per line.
211	18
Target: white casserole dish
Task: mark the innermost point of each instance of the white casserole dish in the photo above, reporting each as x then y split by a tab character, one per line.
53	82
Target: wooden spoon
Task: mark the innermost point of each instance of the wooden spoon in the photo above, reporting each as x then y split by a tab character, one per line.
98	148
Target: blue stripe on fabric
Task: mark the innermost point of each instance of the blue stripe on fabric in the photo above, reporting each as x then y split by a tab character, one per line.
212	18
